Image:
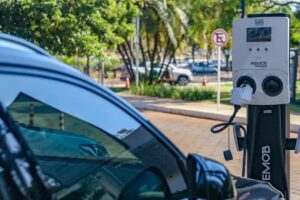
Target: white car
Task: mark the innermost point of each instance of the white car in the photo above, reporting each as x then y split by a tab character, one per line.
180	76
214	63
177	75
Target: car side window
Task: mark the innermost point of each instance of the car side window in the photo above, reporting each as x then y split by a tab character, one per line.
86	145
51	132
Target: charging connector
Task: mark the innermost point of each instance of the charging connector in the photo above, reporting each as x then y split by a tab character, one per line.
242	95
239	96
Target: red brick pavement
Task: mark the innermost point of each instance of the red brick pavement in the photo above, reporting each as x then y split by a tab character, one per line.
192	135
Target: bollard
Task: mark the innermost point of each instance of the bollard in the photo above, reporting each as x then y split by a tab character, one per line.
204	81
31	115
127	83
61	121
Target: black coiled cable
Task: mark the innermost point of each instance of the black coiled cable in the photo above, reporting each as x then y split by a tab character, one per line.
222	126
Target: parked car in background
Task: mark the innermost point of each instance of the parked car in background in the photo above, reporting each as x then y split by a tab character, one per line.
177	75
106	150
203	68
214	63
181	62
174	74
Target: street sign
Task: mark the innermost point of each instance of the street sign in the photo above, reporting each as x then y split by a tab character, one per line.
219	37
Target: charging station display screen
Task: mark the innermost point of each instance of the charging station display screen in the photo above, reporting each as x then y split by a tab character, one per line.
262	34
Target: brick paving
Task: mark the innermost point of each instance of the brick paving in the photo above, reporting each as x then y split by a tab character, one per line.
192	135
200	109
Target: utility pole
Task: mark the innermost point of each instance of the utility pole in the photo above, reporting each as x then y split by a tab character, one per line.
242	9
137	52
102	72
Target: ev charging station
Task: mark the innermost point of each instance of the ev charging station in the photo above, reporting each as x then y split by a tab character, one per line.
260	63
261	60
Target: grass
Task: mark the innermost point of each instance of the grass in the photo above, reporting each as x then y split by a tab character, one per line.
119	89
173	92
196	93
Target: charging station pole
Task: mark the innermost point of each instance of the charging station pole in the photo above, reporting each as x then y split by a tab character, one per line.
267	129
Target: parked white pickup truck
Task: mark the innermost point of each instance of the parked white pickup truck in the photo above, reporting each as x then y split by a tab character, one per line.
180	76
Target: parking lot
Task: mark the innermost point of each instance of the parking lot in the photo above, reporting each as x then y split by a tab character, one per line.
192	135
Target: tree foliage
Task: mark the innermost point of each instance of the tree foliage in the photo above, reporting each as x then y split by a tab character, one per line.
168	27
163	28
81	27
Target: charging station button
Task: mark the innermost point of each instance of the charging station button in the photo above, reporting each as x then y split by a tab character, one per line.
272	86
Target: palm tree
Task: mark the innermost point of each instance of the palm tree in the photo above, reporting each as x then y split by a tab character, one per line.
163	27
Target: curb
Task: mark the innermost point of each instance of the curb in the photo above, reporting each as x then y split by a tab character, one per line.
199	114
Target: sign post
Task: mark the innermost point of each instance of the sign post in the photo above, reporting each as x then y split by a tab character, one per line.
219	38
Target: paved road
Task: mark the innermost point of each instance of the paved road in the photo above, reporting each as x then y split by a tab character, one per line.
198	79
192	135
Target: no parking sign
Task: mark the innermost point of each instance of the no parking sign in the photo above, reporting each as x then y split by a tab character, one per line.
219	38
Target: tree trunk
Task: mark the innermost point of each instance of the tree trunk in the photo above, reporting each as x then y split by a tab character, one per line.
148	44
167	66
126	63
156	39
164	58
87	67
208	55
193	52
129	60
130	50
143	53
171	57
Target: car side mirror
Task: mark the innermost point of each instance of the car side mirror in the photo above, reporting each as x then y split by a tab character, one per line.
208	179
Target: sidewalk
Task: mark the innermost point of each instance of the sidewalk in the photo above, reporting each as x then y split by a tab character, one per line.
200	109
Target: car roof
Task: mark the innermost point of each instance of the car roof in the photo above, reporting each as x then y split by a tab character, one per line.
12	42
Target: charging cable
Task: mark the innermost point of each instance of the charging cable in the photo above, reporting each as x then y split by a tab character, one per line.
239	96
222	126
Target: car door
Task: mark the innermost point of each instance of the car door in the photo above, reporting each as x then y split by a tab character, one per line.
88	144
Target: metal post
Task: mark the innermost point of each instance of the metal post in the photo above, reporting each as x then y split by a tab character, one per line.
293	73
102	72
226	52
137	48
61	121
31	115
219	78
243	8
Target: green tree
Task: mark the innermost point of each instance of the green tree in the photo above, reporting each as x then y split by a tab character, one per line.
163	27
82	27
290	7
205	16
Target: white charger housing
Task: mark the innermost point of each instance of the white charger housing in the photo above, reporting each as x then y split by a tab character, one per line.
260	58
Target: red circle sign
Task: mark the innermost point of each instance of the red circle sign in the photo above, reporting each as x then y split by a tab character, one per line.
219	37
